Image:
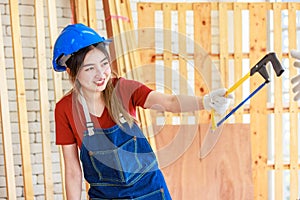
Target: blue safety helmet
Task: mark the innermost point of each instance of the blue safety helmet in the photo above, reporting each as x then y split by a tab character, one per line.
73	38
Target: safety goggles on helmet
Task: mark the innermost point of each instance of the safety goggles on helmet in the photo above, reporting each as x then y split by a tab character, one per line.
73	38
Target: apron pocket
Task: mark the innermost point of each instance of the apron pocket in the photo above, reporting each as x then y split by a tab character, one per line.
117	165
107	166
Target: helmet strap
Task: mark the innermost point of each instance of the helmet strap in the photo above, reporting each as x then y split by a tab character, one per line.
63	59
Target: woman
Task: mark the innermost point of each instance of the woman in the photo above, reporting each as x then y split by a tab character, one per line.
98	117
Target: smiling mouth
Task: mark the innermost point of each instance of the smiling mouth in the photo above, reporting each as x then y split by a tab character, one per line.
100	82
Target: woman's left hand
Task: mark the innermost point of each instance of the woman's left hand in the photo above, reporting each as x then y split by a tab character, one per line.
217	100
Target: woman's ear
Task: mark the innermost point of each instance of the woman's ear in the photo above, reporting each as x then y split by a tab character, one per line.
68	70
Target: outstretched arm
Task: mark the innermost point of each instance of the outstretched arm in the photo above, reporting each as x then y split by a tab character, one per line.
184	103
173	103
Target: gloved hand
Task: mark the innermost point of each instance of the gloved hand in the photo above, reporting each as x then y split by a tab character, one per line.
217	101
296	79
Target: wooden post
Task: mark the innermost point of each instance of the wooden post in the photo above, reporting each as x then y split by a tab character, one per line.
5	126
146	37
57	79
278	105
238	57
84	11
167	54
182	52
258	114
81	11
91	13
293	108
44	101
21	99
109	31
202	50
223	26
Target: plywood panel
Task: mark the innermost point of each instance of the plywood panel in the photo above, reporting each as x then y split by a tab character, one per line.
224	174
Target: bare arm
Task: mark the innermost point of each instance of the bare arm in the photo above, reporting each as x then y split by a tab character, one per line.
72	172
173	103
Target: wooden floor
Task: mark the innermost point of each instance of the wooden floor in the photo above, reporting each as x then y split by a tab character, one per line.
224	174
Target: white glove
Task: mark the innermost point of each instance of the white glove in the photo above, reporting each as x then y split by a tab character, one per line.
296	79
217	101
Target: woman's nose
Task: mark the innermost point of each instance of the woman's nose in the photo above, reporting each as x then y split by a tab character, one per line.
99	70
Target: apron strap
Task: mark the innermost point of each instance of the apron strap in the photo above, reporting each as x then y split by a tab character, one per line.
89	123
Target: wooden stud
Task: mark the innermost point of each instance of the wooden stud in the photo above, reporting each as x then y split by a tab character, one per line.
167	55
278	106
122	45
293	105
44	101
146	43
5	126
238	64
117	40
146	38
73	12
91	14
57	79
182	39
223	27
21	99
202	49
81	8
258	117
109	31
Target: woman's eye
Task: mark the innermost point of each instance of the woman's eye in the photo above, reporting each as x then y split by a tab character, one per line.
105	63
89	68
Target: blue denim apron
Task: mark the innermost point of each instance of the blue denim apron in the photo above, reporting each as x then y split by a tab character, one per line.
119	163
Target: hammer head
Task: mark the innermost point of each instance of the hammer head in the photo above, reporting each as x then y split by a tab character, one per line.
261	66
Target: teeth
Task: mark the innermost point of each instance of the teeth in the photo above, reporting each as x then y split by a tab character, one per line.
100	82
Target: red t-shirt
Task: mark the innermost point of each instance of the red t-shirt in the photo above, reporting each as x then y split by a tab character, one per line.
69	115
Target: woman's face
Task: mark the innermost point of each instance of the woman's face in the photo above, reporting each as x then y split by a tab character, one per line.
95	71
